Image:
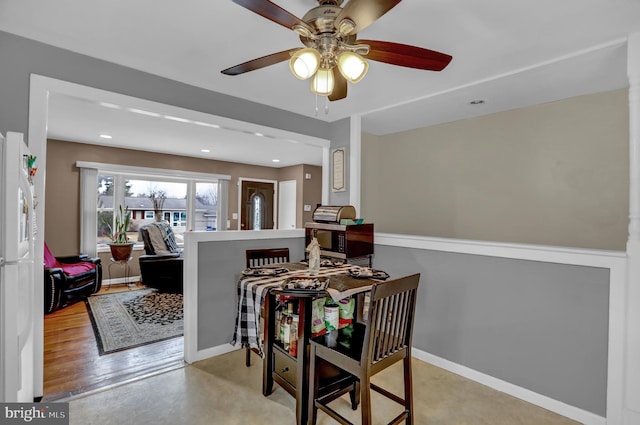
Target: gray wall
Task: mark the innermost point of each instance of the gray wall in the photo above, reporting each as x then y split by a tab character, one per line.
540	326
220	264
21	57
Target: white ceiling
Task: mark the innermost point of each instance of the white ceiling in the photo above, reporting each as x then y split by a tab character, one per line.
138	124
509	54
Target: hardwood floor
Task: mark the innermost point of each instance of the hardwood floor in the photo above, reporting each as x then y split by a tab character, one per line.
72	364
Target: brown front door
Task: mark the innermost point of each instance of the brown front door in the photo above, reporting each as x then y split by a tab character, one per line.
257	205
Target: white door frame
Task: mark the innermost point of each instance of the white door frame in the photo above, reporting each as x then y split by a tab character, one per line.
39	89
275	198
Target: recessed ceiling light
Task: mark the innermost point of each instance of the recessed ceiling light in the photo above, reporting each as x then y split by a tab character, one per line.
259	134
105	136
205	150
476	102
143	112
172	118
206	124
110	105
275	160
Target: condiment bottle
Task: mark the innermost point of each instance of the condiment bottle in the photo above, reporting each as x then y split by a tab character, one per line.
331	316
293	338
287	327
279	328
283	321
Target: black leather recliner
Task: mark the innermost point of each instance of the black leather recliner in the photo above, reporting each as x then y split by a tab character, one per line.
69	278
161	265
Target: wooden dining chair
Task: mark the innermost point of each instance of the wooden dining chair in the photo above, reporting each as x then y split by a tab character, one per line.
370	347
266	256
262	257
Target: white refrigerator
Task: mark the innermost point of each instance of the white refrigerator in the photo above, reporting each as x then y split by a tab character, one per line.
17	217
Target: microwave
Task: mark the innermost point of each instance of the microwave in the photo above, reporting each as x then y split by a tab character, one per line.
341	241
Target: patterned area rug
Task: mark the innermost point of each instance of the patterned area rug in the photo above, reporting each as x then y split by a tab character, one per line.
130	319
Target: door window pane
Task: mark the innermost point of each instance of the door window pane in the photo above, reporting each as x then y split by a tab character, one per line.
257	212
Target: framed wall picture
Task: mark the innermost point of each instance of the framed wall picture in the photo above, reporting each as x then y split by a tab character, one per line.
338	170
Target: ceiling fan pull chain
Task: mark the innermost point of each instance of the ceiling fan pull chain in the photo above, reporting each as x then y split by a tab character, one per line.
316	114
326	106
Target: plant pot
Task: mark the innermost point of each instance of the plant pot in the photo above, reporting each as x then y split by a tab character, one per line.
121	251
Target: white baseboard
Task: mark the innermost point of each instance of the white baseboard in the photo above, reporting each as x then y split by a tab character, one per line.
211	352
529	396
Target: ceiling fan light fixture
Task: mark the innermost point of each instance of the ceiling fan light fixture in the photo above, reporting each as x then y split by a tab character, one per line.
323	82
352	66
304	63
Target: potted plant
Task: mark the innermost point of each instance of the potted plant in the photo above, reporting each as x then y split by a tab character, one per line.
120	246
157	198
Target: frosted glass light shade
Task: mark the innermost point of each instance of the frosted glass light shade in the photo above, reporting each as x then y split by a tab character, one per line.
322	83
304	63
352	66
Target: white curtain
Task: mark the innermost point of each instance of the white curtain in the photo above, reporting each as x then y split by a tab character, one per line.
223	204
88	216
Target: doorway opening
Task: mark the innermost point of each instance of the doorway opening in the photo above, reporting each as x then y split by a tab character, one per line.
41	91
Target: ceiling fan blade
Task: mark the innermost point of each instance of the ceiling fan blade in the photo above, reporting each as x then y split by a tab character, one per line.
365	12
339	86
258	63
273	12
405	55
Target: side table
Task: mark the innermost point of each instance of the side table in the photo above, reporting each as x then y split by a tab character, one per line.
125	264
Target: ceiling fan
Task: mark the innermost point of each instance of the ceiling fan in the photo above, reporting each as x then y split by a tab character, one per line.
328	32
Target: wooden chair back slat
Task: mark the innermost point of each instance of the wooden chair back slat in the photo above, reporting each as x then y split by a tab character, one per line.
390	319
386	340
262	257
265	256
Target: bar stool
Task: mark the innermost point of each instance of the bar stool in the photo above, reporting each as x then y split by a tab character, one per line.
366	349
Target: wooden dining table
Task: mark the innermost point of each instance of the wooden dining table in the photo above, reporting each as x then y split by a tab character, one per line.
258	294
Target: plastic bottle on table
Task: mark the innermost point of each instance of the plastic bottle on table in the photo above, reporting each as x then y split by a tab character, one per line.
314	257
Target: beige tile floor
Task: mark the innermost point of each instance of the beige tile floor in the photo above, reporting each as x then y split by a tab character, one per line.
222	390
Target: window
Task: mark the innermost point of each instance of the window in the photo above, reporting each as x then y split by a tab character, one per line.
179	220
104	207
167	201
185	200
206	217
257	212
